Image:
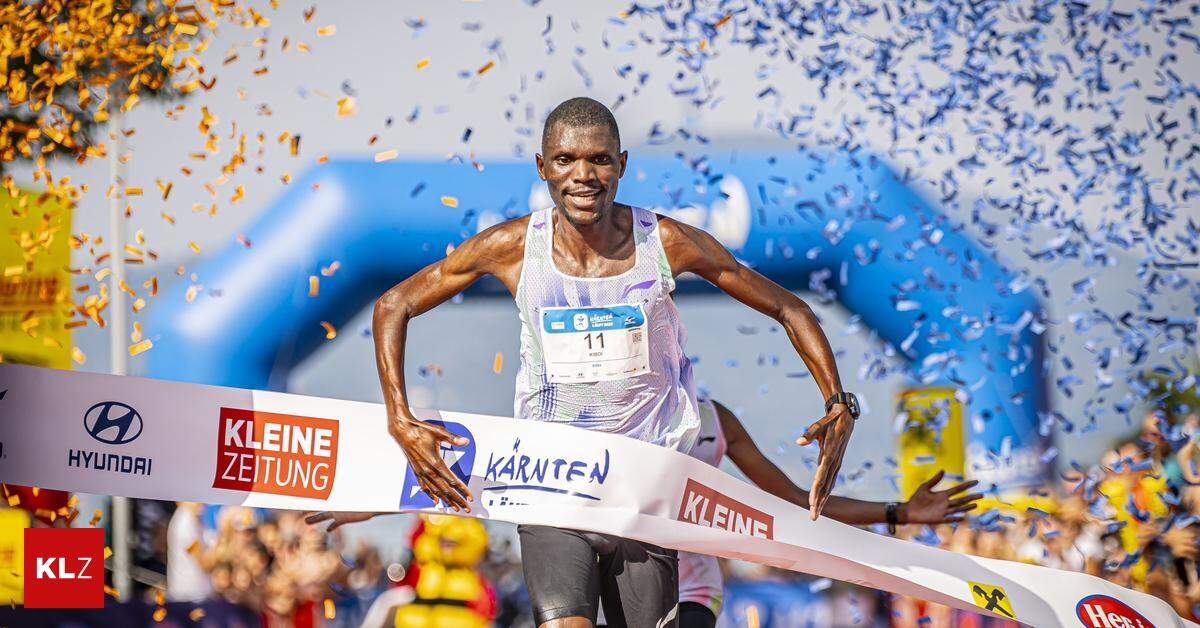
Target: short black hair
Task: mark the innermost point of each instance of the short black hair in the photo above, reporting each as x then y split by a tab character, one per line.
581	111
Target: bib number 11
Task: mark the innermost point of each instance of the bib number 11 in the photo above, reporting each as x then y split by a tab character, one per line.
594	344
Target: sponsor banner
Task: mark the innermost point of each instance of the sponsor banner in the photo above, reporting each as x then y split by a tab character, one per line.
275	450
931	438
35	282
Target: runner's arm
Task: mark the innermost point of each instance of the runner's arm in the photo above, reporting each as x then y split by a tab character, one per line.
693	250
495	251
926	505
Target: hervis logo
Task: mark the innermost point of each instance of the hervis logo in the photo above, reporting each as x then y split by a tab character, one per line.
461	461
1102	611
283	454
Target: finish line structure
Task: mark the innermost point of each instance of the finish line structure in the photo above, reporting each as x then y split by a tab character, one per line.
155	439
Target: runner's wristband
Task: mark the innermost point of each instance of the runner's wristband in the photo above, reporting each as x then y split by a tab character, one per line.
889	512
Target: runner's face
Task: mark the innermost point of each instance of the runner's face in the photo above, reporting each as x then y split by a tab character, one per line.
581	167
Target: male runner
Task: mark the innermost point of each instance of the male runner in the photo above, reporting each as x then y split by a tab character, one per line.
701	586
577	264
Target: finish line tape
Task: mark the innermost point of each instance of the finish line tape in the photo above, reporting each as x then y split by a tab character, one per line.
155	439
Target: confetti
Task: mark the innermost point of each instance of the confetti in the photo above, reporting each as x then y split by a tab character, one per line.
330	332
140	347
386	155
449	201
326	31
422	63
498	363
314	284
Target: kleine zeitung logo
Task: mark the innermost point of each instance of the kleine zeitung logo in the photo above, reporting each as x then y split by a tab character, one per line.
64	568
283	454
710	508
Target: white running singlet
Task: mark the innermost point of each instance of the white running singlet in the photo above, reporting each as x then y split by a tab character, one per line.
700	578
604	353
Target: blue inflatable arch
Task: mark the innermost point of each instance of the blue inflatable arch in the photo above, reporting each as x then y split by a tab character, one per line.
840	224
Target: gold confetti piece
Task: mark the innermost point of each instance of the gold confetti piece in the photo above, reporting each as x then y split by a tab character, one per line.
191	293
197	614
450	201
140	347
194	547
193	246
129	102
330	332
137	306
386	155
346	106
111	591
326	31
96	516
722	21
330	269
314	283
487	66
36	490
295	148
422	63
103	274
330	610
133	191
160	598
498	363
160	614
78	355
14	500
107	552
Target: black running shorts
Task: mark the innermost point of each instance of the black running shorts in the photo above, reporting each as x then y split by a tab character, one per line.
569	572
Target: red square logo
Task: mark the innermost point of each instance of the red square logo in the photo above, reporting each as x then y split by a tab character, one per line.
64	568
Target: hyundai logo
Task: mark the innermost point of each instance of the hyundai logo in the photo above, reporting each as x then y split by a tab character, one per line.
113	422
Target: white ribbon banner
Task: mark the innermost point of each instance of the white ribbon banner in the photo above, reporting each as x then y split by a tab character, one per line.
166	440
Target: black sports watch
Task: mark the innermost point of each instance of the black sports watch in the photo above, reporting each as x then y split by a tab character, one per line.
844	397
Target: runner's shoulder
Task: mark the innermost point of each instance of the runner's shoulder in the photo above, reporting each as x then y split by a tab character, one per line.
503	241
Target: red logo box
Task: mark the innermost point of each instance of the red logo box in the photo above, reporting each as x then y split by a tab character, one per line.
64	568
284	454
707	507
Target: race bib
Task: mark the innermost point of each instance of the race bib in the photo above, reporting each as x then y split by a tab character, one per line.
594	344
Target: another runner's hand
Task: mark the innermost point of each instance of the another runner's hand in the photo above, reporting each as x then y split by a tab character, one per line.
832	433
421	442
929	506
339	519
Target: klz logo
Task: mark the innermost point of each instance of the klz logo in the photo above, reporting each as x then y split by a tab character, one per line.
704	506
461	461
64	568
113	422
1102	611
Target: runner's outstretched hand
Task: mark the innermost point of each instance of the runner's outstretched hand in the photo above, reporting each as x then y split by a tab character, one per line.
929	506
422	442
339	519
832	433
